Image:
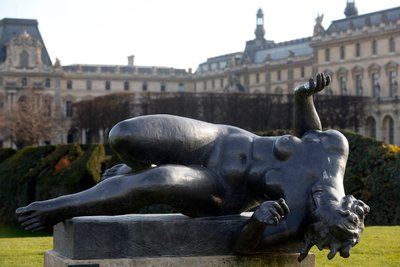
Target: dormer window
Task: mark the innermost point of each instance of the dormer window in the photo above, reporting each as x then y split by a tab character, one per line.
24	59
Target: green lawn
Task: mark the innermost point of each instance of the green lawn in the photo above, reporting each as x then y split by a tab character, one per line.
380	246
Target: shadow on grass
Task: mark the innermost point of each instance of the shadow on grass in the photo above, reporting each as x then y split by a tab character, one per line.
7	231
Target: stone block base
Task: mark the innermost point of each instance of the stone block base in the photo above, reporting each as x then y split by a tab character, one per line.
53	259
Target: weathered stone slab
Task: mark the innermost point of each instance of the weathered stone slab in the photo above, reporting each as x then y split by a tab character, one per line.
53	259
147	235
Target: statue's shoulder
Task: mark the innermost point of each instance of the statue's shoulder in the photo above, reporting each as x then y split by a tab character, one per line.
331	140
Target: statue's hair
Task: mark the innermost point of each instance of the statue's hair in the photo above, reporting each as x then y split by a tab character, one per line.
337	227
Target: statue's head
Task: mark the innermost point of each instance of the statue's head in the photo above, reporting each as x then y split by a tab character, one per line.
336	226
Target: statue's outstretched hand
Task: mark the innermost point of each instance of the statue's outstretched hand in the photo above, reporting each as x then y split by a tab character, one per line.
271	212
312	86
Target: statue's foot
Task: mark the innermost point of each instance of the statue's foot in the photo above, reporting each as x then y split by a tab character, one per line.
119	169
37	217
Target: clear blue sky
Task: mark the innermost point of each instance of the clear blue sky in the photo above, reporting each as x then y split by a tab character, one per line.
173	33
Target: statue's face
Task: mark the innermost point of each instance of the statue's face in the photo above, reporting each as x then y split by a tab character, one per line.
338	226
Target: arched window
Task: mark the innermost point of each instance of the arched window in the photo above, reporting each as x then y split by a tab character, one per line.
24	59
370	126
388	129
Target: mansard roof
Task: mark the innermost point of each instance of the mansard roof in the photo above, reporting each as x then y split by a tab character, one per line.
11	28
376	18
278	51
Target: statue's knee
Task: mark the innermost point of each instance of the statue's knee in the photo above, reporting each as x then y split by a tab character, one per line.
119	134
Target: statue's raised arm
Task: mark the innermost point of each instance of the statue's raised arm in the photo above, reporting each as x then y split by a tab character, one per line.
305	116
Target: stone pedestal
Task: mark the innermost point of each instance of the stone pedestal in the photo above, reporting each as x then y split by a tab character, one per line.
157	240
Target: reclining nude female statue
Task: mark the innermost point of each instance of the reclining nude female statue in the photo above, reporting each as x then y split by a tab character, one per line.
205	169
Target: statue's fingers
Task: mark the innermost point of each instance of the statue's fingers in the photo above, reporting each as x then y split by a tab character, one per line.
311	86
323	82
284	206
279	209
275	213
304	250
345	250
333	250
328	80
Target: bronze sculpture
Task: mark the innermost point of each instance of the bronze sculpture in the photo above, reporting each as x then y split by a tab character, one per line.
206	169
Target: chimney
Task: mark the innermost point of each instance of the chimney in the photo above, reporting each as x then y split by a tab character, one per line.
131	60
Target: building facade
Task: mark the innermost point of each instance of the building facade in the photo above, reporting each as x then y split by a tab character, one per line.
360	52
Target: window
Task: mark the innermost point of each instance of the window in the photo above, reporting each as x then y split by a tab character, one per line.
108	85
221	83
388	129
358	50
144	86
371	127
24	82
302	72
126	86
24	59
181	87
374	47
359	88
343	86
342	52
392	45
393	83
68	109
376	89
205	85
69	84
327	54
88	85
257	78
47	83
1	81
213	84
279	75
163	87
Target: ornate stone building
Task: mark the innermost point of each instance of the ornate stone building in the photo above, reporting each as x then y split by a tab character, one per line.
360	52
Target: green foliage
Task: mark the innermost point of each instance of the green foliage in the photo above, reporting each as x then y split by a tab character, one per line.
17	179
5	153
46	172
373	175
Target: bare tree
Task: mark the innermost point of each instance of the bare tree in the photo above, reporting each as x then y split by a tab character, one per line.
101	113
30	120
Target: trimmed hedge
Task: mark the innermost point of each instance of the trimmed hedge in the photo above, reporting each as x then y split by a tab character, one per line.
46	172
5	153
372	174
